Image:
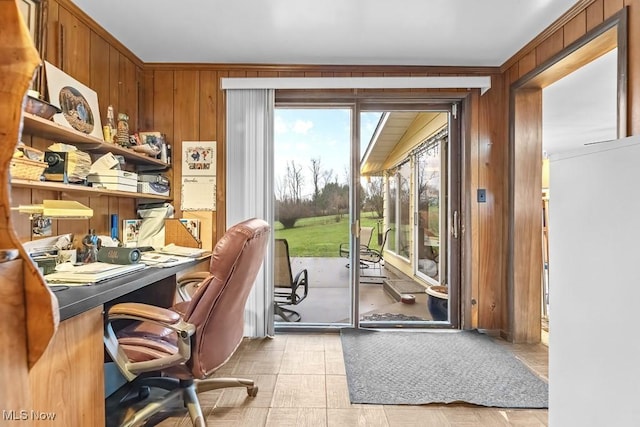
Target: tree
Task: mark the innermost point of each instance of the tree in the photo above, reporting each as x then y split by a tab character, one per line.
315	176
375	195
289	188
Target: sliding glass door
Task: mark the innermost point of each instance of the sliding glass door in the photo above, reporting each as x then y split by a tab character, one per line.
365	214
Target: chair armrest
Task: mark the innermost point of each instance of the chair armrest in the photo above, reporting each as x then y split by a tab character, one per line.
301	279
143	312
194	279
150	313
344	250
153	314
370	255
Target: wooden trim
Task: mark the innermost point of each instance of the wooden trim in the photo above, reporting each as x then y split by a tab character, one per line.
555	26
408	70
525	124
525	229
598	41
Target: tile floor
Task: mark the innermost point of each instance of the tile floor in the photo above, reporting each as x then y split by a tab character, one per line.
302	382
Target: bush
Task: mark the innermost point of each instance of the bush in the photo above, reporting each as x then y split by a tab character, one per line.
288	213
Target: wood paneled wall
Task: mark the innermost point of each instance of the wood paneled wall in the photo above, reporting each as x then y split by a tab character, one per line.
77	45
525	266
486	150
185	102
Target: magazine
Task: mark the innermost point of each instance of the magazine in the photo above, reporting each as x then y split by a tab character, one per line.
193	225
130	232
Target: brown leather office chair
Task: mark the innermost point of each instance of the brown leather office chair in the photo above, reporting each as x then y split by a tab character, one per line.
191	340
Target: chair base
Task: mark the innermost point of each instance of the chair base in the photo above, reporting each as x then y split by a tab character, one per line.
183	392
286	314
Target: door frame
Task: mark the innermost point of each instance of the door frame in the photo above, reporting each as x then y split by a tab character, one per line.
525	137
460	311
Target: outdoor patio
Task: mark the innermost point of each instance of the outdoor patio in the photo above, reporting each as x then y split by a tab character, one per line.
329	298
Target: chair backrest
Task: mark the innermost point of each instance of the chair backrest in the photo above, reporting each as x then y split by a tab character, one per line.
384	240
283	276
217	308
365	236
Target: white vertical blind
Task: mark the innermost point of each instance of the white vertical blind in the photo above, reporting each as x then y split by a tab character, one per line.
249	189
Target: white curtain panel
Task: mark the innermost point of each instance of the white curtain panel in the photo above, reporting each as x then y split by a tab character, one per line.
249	189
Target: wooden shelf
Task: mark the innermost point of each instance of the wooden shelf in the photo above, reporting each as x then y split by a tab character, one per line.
76	188
48	129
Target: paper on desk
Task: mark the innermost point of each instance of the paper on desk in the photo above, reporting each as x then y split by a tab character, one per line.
93	267
156	259
173	249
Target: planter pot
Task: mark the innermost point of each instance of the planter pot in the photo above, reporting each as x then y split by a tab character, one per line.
438	302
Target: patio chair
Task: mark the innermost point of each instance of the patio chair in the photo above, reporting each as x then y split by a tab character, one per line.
289	290
365	240
373	257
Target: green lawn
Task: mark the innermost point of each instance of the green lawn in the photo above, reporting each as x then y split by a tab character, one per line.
321	236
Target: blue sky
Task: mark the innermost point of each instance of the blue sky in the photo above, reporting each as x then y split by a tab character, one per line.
305	134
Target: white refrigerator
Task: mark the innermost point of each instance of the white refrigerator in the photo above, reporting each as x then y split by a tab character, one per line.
594	300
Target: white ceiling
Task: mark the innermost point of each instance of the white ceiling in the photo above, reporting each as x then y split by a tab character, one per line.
351	32
365	32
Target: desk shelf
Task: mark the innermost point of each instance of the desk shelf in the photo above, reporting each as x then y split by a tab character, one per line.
76	188
48	129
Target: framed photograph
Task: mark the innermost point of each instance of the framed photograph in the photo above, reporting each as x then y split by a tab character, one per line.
34	13
29	10
198	158
78	103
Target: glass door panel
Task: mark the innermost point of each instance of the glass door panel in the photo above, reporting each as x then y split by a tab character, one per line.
409	153
312	152
430	187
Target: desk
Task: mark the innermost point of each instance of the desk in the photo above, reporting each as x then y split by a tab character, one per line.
78	299
68	380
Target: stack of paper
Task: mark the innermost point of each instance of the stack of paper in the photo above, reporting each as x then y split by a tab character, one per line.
172	249
157	259
90	273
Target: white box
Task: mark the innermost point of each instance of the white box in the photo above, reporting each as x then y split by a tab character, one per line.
153	188
115	180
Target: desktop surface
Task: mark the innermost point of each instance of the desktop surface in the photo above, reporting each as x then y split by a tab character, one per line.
73	300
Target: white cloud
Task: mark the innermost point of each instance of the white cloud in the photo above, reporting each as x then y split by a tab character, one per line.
279	126
302	126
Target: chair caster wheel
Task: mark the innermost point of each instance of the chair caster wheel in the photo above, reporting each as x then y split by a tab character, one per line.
144	392
252	391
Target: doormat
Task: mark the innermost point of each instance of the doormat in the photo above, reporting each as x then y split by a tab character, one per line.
420	367
390	317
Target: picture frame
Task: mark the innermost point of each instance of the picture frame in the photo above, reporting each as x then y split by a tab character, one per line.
79	104
35	14
198	158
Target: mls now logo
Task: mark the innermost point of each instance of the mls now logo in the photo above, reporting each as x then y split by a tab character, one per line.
24	415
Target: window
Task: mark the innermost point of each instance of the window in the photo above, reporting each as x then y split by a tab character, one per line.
399	209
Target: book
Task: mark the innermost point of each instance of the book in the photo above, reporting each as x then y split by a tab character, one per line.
130	232
193	226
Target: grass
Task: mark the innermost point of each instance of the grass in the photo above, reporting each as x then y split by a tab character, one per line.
321	236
